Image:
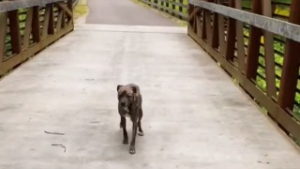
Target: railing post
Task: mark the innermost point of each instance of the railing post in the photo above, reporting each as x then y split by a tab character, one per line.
14	28
240	40
209	31
3	28
231	36
51	20
198	28
191	20
36	25
254	44
46	22
215	30
203	32
269	52
28	29
221	33
59	21
208	26
70	6
290	64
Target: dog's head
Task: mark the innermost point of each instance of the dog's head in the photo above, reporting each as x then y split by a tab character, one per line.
126	95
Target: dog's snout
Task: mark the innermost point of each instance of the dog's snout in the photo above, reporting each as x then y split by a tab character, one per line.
123	104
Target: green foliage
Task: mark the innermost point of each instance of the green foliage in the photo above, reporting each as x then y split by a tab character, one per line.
169	6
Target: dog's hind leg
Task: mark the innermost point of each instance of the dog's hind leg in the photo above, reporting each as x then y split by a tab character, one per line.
123	125
141	132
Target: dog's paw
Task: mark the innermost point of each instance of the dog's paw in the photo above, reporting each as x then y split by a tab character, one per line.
125	141
132	150
141	133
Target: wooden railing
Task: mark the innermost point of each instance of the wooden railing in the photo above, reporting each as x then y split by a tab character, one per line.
28	26
177	8
220	30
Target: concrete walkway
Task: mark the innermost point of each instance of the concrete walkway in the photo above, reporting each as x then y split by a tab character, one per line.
194	116
124	12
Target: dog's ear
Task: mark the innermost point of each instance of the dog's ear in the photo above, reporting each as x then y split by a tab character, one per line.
118	87
134	89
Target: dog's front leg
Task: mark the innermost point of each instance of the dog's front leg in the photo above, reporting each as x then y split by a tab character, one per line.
125	135
141	132
134	130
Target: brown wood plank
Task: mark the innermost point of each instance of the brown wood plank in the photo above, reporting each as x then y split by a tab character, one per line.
28	28
290	65
193	13
195	25
215	32
208	26
63	23
14	28
59	21
231	36
269	52
51	20
203	26
222	34
192	21
254	44
240	40
199	24
65	8
46	22
36	35
3	29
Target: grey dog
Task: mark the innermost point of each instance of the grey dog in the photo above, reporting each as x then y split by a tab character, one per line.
130	105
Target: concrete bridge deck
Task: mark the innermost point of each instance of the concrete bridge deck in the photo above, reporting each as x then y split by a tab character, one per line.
124	12
195	117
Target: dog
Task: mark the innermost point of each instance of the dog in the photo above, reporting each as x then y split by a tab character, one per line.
130	105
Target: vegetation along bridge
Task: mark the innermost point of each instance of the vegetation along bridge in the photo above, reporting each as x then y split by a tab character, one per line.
219	78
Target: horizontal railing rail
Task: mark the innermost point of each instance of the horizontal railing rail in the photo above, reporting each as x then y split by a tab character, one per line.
177	8
28	26
257	49
14	5
286	29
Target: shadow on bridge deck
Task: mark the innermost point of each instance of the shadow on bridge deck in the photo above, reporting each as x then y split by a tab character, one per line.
194	116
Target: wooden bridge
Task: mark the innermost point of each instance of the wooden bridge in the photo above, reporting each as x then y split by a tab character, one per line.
222	92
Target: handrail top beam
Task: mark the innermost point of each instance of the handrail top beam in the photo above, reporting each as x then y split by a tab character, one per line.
276	26
14	5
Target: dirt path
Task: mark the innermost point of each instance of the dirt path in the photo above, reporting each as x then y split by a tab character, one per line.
124	12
